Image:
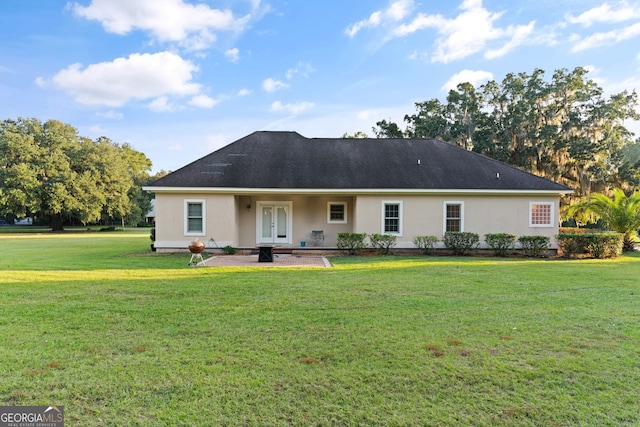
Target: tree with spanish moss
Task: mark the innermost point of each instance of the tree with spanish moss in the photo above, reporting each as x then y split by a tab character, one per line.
564	129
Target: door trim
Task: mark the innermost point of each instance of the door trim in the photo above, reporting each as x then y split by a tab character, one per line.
288	205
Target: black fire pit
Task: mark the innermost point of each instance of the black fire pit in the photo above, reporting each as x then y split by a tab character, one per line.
265	253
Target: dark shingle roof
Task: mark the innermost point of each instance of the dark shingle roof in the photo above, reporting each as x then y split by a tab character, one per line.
288	160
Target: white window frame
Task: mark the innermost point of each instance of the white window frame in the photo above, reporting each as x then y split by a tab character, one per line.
336	221
187	202
552	214
392	202
444	214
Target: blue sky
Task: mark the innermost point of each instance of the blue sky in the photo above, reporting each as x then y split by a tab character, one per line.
178	79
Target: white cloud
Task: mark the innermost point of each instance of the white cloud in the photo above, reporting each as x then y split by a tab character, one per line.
373	21
244	92
396	11
40	82
420	22
467	33
519	35
369	115
233	55
138	77
162	105
399	9
605	38
97	130
591	69
273	85
475	77
303	69
605	13
417	55
203	101
191	25
111	115
297	108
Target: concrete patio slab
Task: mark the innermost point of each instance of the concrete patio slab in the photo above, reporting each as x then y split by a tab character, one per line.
279	260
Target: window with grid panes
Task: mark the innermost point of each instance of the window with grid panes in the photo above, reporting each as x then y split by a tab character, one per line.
541	214
453	220
392	218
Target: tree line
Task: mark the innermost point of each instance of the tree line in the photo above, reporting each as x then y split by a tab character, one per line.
51	173
564	129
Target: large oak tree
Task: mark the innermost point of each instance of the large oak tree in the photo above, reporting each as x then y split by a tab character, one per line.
564	129
49	171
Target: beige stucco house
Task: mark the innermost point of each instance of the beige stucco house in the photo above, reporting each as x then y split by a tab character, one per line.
275	188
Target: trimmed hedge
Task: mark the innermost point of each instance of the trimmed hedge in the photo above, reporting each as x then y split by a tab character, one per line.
382	243
351	243
534	246
598	245
460	242
500	243
425	243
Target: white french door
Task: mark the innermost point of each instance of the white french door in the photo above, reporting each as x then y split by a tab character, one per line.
273	222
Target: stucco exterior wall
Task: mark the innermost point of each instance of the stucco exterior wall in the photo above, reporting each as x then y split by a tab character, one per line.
220	220
232	219
425	215
308	213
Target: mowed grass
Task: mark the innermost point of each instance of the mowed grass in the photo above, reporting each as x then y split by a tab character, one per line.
121	336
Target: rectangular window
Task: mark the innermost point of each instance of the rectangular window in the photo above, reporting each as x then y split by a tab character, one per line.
337	213
392	218
540	214
453	216
194	217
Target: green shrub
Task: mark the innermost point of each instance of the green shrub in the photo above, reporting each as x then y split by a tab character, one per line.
425	243
459	242
382	242
351	243
534	246
500	243
572	244
229	250
607	245
597	245
152	234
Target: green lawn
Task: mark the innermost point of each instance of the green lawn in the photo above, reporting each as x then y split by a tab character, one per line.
120	336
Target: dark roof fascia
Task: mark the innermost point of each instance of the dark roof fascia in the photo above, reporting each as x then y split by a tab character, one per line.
353	191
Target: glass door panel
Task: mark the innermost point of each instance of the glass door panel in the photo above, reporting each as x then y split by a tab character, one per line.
281	222
274	222
266	226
